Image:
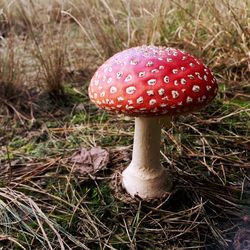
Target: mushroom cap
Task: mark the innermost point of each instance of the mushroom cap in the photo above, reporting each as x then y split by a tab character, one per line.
151	80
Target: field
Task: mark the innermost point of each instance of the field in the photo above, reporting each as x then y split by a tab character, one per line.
50	198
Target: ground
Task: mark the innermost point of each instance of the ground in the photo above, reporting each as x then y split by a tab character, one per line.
48	54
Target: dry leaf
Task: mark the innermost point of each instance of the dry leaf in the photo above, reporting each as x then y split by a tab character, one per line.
242	239
90	161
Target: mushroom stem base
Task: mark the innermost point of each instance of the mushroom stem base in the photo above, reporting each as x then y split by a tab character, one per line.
151	188
145	176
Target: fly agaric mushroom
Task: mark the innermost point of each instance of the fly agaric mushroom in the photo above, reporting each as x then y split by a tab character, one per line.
150	82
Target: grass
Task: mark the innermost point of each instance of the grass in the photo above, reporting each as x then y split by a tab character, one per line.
11	82
48	53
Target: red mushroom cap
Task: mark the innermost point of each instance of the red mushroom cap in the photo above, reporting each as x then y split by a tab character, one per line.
150	80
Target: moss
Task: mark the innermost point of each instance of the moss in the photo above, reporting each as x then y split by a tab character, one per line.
52	124
73	96
79	118
239	102
17	142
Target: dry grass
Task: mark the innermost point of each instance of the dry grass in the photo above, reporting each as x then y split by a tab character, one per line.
54	47
11	80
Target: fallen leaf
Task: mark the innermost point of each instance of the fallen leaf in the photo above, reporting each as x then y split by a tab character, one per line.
90	161
242	239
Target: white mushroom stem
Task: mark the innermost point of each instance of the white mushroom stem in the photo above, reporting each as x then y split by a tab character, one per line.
145	176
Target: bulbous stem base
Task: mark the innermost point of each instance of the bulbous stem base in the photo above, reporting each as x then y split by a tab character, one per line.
150	188
145	176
